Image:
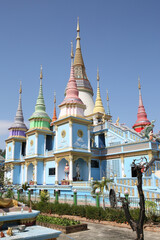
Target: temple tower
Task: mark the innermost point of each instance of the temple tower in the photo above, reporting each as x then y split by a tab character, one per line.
54	118
98	104
142	120
39	141
83	84
15	144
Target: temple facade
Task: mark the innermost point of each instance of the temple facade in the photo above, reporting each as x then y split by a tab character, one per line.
81	144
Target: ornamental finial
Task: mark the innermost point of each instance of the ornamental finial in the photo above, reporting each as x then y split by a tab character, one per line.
97	74
54	97
107	96
78	28
20	89
41	75
72	53
139	85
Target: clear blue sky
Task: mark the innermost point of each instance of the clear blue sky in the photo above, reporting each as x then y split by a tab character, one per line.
121	37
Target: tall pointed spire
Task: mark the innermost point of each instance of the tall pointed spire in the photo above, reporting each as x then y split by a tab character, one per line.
83	85
78	55
98	104
40	109
108	108
54	112
18	128
75	106
142	120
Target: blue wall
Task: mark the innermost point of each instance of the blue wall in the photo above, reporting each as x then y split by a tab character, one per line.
9	153
16	174
80	142
83	169
40	173
31	148
50	179
127	164
30	173
41	144
17	150
61	173
95	172
63	142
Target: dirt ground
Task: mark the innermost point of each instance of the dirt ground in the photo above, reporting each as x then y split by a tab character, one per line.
107	232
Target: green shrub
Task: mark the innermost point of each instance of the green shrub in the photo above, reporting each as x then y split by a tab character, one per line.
78	210
9	193
150	208
57	221
25	186
90	212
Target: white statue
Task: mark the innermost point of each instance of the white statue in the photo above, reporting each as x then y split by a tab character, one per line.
78	172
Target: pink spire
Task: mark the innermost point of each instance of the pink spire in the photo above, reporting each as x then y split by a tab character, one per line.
54	112
72	91
142	120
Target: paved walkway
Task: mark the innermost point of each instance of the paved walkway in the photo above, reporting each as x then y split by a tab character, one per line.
98	231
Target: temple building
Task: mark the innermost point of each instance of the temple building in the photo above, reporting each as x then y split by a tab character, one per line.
82	143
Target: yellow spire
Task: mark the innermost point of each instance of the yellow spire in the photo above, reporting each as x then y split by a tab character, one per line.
41	75
78	55
98	104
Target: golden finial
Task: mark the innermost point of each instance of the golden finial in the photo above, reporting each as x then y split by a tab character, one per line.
97	74
78	29
117	122
54	97
20	89
97	77
139	85
41	76
72	53
107	96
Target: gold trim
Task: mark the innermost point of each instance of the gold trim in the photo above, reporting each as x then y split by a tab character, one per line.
80	133
63	133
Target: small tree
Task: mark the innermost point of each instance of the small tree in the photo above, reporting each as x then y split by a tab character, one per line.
4	169
44	196
101	185
140	167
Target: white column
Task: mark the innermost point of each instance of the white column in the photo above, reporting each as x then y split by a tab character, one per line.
56	176
71	169
122	165
56	132
36	144
26	145
70	134
13	150
35	169
6	153
100	163
11	174
45	145
89	145
22	173
26	172
89	169
44	173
